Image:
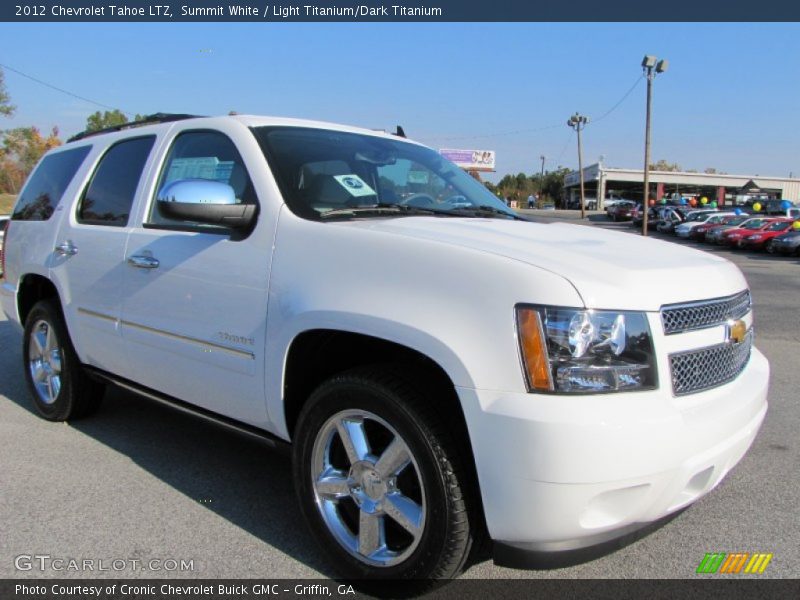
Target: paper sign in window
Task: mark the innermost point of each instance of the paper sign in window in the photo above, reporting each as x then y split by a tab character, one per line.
201	167
354	185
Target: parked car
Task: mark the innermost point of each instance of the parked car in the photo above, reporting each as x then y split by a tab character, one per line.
783	208
613	199
786	243
637	215
764	238
621	211
575	203
669	218
731	237
730	221
253	271
685	229
714	235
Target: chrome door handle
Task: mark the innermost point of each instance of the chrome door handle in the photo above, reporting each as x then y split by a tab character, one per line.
66	249
143	262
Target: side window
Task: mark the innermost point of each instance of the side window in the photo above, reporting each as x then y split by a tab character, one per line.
44	189
203	155
109	196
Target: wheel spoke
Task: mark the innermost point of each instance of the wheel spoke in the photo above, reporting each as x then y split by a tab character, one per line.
55	360
394	459
55	385
354	439
370	533
50	394
405	511
39	342
49	340
332	484
38	370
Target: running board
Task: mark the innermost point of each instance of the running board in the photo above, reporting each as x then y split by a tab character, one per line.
265	437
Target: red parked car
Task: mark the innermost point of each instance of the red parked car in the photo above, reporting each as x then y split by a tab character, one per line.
699	233
731	237
621	211
760	239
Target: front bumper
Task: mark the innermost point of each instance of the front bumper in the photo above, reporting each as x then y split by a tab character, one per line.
561	473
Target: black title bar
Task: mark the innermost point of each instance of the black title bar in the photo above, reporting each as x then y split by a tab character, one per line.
270	11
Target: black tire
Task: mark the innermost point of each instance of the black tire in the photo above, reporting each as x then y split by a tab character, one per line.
76	395
770	247
448	527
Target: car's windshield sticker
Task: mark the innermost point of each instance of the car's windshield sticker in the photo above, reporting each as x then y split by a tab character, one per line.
354	185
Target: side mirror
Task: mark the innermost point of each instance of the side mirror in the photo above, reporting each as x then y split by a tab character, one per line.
204	201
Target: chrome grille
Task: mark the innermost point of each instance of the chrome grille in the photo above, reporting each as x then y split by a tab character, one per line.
706	368
677	318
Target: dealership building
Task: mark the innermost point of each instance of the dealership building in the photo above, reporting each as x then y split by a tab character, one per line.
600	181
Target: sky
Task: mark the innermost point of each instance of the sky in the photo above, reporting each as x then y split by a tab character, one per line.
729	100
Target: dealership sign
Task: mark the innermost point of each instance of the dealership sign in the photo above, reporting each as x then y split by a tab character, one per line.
471	160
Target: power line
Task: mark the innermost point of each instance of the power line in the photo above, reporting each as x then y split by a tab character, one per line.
537	129
621	100
63	91
566	145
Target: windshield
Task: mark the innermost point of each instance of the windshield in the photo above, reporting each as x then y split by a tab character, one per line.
697	216
324	173
735	220
754	224
779	226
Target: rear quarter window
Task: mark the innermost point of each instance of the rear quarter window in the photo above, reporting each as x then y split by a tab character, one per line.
42	193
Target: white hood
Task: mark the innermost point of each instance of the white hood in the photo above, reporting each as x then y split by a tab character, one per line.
609	269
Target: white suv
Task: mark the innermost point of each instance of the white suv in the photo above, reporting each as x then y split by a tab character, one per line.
443	369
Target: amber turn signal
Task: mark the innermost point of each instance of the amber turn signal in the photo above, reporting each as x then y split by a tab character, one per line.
534	350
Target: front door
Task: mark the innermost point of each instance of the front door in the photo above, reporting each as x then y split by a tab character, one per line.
195	307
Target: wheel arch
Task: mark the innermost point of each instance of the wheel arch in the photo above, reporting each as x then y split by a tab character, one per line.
315	355
33	288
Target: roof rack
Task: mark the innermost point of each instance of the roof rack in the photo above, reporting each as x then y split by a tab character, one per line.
148	120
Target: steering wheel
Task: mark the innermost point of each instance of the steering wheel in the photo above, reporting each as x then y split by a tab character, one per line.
419	200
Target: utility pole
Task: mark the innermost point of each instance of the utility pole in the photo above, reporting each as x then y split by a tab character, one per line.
651	67
578	123
541	181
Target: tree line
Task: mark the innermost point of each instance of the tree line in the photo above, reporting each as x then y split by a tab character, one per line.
549	188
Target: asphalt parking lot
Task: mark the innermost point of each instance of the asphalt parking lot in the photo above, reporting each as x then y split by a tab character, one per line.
139	481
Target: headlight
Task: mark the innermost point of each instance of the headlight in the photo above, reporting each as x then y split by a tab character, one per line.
578	351
754	237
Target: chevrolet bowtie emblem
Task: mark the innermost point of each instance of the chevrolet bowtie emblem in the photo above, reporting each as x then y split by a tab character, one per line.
735	331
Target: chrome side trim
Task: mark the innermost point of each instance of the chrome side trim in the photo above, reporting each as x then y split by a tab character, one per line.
91	313
169	334
184	338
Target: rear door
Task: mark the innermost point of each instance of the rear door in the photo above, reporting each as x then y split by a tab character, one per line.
89	254
195	308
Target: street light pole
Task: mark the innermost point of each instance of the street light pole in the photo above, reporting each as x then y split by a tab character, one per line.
578	123
541	181
651	67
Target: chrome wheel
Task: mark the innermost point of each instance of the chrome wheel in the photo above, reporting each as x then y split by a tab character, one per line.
368	488
44	361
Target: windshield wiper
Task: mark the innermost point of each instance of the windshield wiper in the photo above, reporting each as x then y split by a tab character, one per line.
485	210
383	208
